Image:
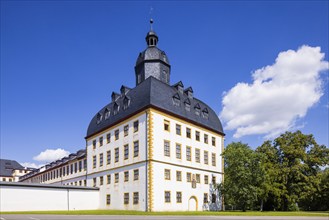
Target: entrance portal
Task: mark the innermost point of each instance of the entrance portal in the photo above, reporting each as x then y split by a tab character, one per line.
193	204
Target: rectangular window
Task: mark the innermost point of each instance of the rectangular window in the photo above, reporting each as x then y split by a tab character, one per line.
178	129
94	144
116	134
108	157
178	151
101	141
94	182
94	162
126	151
85	164
197	135
108	199
205	157
116	178
166	125
167	148
108	137
197	155
136	174
205	138
116	158
188	153
126	176
75	168
197	178
125	130
206	179
188	132
178	175
101	159
167	196
136	148
213	141
109	179
167	174
179	197
85	182
126	198
80	165
213	159
205	198
188	177
136	198
213	180
67	167
101	180
136	123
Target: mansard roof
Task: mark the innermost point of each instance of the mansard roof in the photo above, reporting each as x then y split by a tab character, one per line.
159	95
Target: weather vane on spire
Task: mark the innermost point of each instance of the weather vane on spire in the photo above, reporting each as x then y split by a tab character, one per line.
151	20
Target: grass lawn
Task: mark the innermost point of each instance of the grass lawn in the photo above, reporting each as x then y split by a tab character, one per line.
120	212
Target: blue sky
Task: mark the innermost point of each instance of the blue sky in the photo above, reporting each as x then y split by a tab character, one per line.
61	60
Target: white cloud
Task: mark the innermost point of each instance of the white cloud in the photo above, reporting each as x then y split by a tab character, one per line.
31	165
279	95
50	155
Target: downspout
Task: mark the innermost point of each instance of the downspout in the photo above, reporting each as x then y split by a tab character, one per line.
146	164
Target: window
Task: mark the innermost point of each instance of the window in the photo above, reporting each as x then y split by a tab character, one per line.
108	157
126	151
166	125
94	162
136	198
213	180
101	159
108	199
67	167
108	137
80	166
94	144
125	130
205	158
197	178
188	132
85	164
126	102
106	113
126	176
205	138
136	174
167	174
109	179
101	141
167	148
205	197
167	196
136	126
101	180
206	180
116	109
197	135
213	159
178	175
213	198
126	198
179	197
75	169
188	177
188	153
136	148
116	158
178	151
116	134
178	129
85	182
213	141
116	178
99	118
94	182
197	155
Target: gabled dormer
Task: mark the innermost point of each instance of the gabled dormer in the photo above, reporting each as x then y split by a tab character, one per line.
115	96
124	90
126	102
189	92
176	99
179	87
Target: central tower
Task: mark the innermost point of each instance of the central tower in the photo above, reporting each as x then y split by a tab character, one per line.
152	61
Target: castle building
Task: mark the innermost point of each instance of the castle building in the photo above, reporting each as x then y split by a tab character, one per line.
11	170
154	147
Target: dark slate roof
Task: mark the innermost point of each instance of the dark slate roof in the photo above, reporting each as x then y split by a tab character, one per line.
152	53
154	93
7	167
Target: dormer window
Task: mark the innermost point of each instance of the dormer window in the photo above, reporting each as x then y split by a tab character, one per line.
187	104
106	113
99	118
176	100
197	109
205	113
116	108
126	103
